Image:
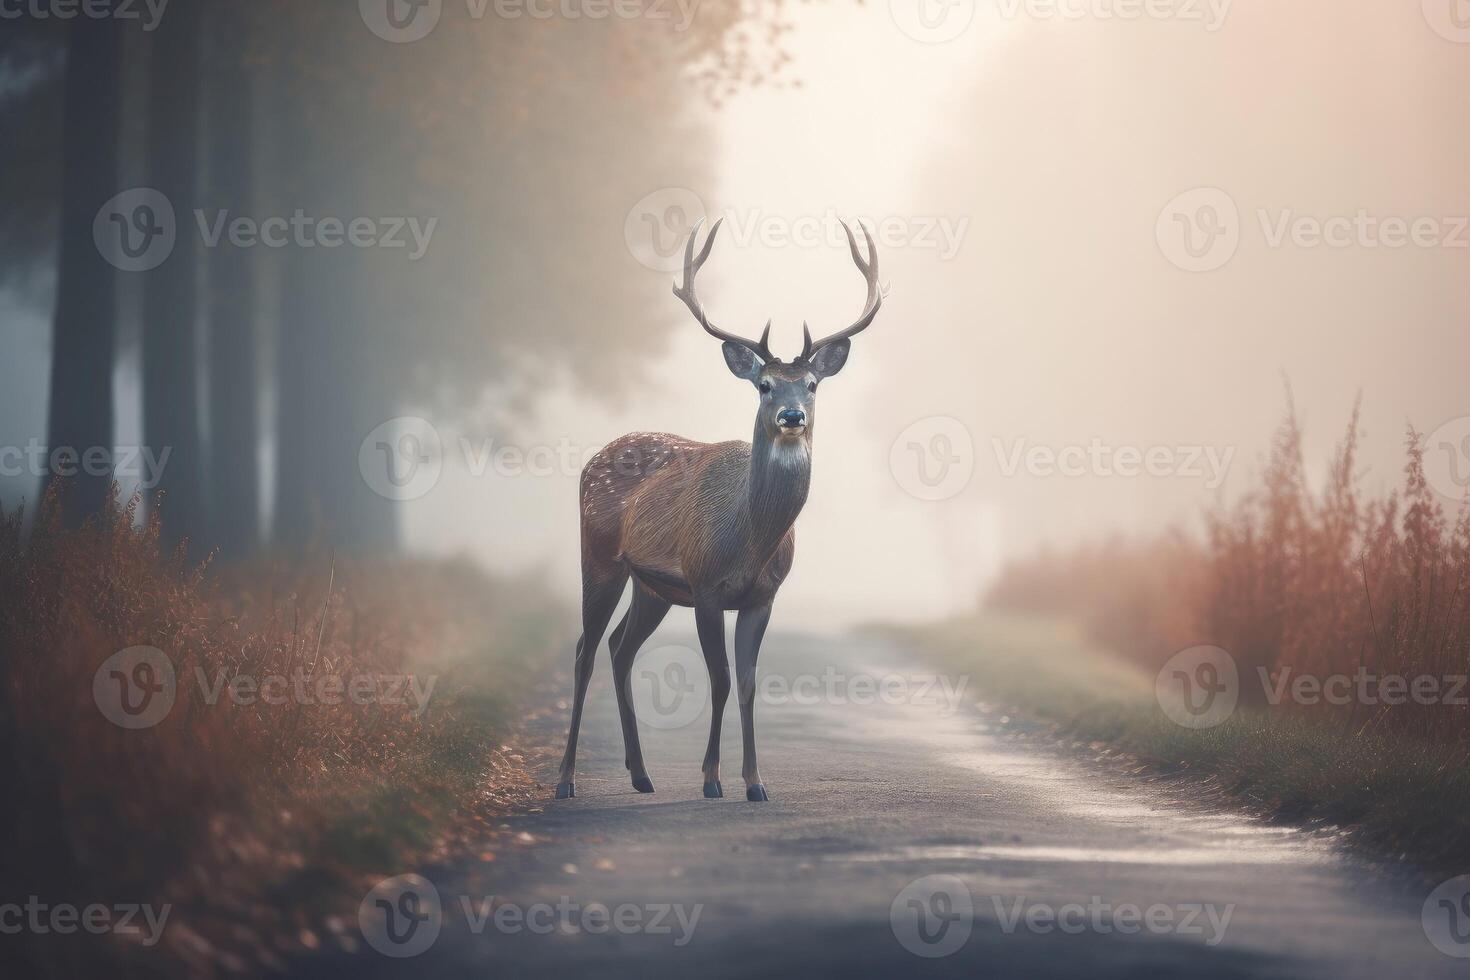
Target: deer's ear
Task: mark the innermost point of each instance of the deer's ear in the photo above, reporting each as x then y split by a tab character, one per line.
829	359
742	361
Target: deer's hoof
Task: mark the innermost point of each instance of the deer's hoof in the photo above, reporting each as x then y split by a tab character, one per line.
756	793
643	784
713	790
565	791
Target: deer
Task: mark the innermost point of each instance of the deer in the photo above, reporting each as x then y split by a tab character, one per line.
704	525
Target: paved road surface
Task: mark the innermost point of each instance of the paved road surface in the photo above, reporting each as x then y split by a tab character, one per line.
1001	835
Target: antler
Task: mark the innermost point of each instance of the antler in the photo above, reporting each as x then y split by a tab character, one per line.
685	291
869	269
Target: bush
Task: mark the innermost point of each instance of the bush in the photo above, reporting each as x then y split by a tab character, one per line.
1290	582
240	813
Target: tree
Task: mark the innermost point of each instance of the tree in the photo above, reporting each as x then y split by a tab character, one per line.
171	291
84	327
234	286
526	140
80	411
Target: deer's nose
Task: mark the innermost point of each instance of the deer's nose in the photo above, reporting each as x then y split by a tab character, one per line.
790	418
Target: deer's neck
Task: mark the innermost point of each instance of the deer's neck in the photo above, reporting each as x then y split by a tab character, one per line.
780	475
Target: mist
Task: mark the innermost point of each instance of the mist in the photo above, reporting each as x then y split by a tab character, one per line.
1021	170
1118	248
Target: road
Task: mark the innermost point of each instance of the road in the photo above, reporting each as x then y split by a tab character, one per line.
901	838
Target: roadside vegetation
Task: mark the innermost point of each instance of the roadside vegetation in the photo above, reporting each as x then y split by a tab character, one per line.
1290	583
332	721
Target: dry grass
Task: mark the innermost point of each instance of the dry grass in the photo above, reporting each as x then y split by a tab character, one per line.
1290	582
246	817
1394	796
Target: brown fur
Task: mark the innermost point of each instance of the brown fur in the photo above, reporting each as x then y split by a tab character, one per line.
708	525
676	515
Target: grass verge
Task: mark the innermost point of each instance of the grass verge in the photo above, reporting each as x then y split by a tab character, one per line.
327	723
1392	796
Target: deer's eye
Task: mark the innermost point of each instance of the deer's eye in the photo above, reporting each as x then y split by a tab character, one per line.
811	386
764	386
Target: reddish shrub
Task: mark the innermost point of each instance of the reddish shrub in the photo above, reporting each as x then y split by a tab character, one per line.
1290	582
221	803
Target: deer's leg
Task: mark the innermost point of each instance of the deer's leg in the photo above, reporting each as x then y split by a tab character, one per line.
599	599
750	628
644	615
615	638
710	621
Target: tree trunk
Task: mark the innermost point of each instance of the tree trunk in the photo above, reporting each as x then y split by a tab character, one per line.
234	381
80	416
171	301
84	329
332	382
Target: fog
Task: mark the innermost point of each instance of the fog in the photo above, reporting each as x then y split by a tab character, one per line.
1111	243
1052	146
